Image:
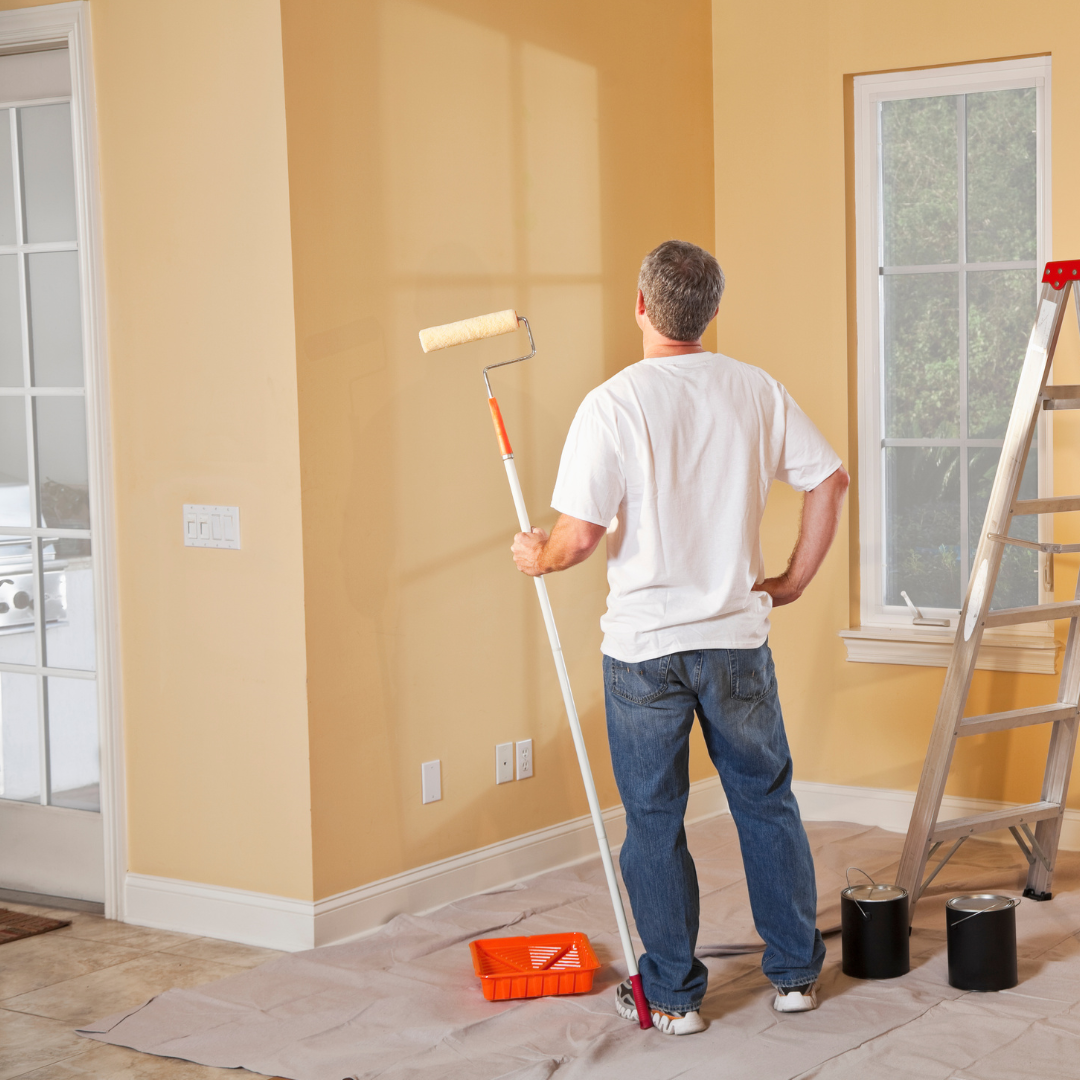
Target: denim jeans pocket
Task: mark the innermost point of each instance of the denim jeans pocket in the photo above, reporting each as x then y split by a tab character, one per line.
752	673
640	683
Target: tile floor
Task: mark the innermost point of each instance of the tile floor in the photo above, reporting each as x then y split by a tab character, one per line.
52	983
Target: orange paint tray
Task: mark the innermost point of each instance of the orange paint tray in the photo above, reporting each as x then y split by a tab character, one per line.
537	966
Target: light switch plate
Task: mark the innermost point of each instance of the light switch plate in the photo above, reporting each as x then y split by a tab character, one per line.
431	781
211	526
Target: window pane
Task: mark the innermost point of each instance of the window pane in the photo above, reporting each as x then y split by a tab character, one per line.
69	611
1001	175
62	470
73	743
7	185
922	356
1001	313
20	773
48	173
14	485
922	532
919	181
55	323
1018	581
11	361
17	592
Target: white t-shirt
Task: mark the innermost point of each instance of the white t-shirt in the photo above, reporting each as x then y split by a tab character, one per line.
683	449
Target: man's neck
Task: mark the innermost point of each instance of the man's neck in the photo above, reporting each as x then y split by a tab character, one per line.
667	347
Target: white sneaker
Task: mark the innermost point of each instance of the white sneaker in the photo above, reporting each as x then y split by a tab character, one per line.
687	1023
795	999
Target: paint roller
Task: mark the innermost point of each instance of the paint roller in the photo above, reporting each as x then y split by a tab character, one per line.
459	333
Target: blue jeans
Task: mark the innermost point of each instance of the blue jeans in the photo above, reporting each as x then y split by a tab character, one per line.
650	711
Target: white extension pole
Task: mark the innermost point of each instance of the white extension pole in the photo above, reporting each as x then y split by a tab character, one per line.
644	1017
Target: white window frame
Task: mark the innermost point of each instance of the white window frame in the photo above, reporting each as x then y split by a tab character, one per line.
886	633
68	25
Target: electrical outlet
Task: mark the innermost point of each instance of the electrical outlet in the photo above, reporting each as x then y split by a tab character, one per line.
431	781
524	759
504	762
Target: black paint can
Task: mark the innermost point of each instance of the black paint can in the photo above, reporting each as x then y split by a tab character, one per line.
874	931
982	941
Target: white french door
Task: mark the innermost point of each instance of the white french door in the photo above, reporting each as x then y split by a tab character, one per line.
51	833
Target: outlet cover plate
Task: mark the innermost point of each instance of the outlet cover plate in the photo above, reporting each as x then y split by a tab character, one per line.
504	762
431	781
524	759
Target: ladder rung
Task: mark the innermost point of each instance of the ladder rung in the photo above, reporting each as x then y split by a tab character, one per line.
1014	718
1047	548
998	819
1061	397
1056	504
1063	609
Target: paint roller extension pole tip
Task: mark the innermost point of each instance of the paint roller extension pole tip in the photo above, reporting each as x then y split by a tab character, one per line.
644	1015
457	333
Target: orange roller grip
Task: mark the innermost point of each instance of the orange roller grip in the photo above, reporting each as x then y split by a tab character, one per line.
500	428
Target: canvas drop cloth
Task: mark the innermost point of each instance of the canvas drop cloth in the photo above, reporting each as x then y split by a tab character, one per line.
404	1003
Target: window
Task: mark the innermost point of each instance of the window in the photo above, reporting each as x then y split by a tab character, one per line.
952	221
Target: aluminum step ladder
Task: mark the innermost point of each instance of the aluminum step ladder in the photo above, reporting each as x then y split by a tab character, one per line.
1036	827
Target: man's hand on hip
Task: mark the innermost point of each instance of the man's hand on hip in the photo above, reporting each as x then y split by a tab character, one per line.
571	541
820	517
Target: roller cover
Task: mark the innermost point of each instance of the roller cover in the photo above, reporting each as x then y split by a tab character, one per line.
457	333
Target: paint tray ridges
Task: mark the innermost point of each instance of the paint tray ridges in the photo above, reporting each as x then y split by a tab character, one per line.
534	966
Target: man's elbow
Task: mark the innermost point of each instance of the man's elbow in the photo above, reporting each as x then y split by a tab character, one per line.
841	479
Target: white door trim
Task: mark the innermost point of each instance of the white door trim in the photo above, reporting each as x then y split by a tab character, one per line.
69	24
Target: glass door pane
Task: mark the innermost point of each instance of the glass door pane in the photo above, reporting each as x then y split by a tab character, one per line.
55	324
20	747
48	173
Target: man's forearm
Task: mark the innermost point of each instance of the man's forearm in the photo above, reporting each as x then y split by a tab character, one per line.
817	529
571	541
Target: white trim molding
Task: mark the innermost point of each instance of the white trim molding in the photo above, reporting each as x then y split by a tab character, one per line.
68	25
1016	651
890	809
278	922
886	633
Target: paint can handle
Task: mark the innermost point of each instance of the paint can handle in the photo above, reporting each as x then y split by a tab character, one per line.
847	878
982	910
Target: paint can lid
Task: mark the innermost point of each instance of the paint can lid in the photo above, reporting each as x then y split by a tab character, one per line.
873	893
982	902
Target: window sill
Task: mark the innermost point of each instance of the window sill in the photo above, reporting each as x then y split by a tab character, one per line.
1003	649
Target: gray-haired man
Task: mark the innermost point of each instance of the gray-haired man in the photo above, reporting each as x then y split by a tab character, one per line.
678	452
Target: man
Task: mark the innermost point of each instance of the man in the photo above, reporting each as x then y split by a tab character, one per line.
676	453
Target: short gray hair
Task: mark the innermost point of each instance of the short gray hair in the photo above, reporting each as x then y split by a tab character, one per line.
682	285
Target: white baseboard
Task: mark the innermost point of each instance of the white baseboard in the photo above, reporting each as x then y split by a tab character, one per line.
890	809
278	922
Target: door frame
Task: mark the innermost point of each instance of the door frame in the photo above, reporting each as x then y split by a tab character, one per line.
22	30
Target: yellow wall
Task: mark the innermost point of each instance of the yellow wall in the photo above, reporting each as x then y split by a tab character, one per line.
198	275
783	237
447	159
288	196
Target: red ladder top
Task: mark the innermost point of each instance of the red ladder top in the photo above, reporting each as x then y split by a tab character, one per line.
1057	273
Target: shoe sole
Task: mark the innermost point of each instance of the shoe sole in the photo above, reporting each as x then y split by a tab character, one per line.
795	1003
690	1024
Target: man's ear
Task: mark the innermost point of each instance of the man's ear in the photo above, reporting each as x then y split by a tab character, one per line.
641	303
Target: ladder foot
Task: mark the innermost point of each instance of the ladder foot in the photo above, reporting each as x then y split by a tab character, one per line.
1031	894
